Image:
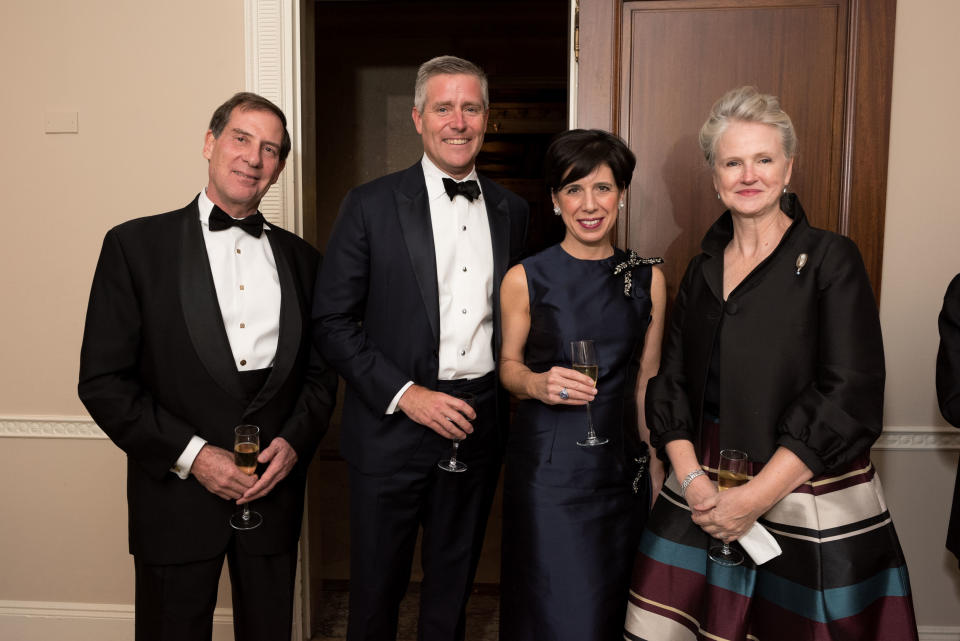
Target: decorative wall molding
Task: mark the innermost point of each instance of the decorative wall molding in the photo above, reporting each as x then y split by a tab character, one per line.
918	438
272	48
893	438
81	427
44	620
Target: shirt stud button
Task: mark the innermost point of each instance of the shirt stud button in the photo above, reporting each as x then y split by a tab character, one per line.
243	362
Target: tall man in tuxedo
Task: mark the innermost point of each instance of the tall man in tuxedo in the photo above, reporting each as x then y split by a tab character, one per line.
199	321
407	305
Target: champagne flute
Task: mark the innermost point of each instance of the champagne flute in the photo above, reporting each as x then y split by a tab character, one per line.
452	464
246	447
583	356
731	472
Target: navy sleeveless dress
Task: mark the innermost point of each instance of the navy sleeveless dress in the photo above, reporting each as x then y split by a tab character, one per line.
571	521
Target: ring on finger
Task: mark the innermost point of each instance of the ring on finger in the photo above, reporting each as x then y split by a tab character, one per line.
564	395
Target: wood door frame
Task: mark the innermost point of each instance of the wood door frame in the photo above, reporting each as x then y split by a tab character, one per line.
868	84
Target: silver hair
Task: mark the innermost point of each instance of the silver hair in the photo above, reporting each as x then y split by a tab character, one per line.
746	104
446	65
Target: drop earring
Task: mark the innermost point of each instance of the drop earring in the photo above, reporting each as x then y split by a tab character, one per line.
621	205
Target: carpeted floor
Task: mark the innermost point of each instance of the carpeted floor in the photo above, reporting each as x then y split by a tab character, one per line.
483	617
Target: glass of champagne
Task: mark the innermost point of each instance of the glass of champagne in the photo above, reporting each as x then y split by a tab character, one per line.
246	447
731	472
452	464
583	357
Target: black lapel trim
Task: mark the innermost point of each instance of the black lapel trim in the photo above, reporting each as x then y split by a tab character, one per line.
413	211
291	326
201	310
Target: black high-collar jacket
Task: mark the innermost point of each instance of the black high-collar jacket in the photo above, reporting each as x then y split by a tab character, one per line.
801	354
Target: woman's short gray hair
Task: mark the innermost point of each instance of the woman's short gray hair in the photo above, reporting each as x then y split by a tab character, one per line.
446	65
746	104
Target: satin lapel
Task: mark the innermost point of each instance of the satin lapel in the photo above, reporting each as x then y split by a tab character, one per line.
713	274
498	216
413	210
291	327
201	311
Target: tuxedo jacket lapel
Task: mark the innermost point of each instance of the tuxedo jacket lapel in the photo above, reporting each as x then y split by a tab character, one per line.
498	215
201	311
291	326
413	210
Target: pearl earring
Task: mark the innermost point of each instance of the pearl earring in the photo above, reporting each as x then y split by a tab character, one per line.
556	211
621	205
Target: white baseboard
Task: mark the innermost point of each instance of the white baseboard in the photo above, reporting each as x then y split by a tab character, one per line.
53	621
939	633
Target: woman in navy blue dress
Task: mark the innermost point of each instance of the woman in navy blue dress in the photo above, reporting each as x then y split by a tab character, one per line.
572	514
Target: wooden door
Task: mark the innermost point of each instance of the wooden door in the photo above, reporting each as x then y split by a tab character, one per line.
650	71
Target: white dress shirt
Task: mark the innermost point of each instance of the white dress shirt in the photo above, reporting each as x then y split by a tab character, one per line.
248	292
464	253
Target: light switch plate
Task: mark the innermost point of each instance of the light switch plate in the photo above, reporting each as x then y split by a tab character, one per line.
60	122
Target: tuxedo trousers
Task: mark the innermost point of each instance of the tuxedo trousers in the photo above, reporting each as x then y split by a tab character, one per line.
176	602
386	513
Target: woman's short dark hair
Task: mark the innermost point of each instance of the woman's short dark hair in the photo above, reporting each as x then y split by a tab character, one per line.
576	153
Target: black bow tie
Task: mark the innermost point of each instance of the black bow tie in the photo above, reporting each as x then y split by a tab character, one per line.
220	220
469	189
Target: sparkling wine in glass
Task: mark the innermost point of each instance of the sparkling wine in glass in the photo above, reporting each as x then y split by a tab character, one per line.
246	447
452	464
583	357
731	472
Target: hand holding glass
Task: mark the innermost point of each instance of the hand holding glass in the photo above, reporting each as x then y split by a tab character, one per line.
246	447
732	471
583	357
452	464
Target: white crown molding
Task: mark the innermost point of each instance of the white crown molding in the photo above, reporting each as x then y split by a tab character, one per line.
893	438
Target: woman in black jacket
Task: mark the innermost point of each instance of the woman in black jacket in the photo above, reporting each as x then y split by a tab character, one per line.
775	350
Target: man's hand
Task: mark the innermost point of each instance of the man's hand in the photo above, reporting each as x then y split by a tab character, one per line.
447	416
281	458
215	469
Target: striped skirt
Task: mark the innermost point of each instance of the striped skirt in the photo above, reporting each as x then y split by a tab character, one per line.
842	575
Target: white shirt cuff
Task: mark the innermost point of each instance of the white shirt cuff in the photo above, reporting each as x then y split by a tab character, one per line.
182	467
392	408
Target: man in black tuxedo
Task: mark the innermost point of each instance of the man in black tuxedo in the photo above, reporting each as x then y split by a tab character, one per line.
407	310
948	390
199	321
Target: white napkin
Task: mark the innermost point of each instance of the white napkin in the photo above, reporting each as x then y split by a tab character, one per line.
759	544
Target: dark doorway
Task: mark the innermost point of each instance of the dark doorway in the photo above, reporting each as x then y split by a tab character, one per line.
365	56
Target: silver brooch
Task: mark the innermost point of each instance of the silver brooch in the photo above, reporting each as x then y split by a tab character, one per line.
801	261
633	260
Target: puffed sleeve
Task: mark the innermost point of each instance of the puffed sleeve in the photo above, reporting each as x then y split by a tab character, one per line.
948	357
839	414
667	404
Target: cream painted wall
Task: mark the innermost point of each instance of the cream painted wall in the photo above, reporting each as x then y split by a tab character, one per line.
920	256
144	78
